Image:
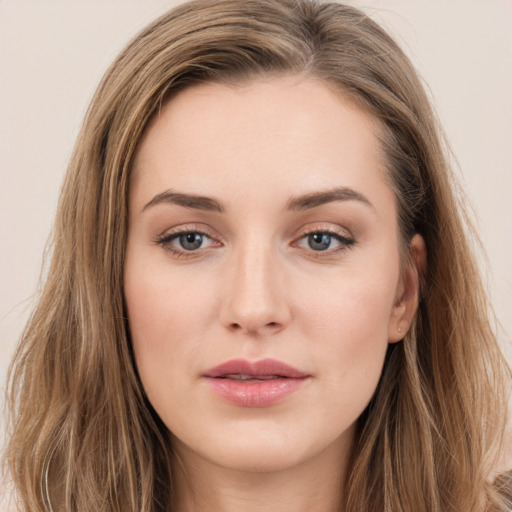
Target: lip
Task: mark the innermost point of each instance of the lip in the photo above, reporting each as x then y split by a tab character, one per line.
278	381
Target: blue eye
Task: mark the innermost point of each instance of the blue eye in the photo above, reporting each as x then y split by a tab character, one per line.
190	241
186	242
325	241
319	241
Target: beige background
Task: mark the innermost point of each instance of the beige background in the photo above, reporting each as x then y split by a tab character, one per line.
53	53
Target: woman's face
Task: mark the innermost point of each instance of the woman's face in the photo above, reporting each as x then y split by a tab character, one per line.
262	275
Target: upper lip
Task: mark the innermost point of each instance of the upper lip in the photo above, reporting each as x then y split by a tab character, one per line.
261	368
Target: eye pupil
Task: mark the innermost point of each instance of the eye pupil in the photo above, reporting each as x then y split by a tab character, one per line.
319	241
191	241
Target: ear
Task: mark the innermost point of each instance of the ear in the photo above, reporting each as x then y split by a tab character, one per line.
408	291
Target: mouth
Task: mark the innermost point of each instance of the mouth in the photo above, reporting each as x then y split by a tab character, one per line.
250	378
264	369
255	384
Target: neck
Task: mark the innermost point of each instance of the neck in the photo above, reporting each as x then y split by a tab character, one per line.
315	485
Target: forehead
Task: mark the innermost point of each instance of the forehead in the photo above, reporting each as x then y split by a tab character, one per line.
280	133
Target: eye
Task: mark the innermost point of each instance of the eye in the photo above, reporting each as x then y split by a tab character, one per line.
324	241
319	241
190	241
185	242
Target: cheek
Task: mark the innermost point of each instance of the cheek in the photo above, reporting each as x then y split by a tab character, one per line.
166	316
351	308
349	320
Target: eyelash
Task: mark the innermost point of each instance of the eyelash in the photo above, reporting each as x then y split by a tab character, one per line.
166	240
344	241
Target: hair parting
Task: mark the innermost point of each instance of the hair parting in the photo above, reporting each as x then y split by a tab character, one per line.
83	436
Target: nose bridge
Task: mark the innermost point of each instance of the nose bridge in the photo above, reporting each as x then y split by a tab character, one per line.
254	299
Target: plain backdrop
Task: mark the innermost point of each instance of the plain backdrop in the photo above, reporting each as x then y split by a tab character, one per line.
53	53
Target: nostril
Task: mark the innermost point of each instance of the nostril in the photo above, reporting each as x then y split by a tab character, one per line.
234	326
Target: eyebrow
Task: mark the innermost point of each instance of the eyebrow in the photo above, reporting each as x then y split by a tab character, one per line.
187	201
300	203
315	199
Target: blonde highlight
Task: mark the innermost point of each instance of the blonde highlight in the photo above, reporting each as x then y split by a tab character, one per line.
84	436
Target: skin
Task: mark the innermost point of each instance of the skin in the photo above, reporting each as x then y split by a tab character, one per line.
255	288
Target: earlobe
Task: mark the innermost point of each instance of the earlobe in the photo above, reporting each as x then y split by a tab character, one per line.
409	291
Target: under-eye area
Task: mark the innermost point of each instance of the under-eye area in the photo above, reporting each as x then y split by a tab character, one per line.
231	320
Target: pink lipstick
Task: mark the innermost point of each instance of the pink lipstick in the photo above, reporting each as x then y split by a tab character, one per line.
254	384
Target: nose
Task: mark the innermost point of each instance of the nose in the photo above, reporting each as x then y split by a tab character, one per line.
254	297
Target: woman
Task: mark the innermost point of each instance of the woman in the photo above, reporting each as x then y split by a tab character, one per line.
261	294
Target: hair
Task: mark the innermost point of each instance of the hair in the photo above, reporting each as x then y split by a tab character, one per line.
83	436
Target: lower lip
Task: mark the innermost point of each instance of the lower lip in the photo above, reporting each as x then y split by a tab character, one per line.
255	393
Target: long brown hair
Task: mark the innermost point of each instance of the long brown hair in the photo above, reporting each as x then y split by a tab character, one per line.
84	437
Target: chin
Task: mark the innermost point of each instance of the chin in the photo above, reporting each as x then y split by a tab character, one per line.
256	458
257	448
